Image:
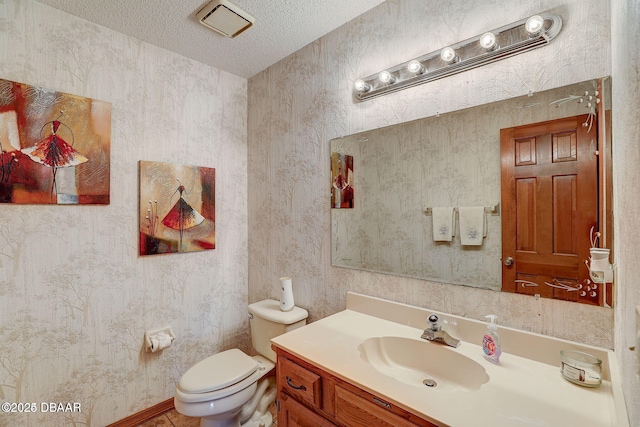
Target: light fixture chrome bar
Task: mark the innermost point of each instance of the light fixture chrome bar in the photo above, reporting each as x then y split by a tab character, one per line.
510	40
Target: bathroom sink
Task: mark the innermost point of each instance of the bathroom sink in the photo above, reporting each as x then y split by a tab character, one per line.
423	364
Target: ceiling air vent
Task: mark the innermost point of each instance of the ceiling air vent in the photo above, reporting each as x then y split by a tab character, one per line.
225	18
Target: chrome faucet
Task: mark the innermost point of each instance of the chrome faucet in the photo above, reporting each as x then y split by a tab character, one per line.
435	333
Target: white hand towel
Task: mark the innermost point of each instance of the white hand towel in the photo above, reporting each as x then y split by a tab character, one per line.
472	225
443	222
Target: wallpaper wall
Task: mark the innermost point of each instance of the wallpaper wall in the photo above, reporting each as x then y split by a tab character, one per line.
75	297
299	104
625	59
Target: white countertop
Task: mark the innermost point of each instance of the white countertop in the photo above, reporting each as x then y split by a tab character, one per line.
520	392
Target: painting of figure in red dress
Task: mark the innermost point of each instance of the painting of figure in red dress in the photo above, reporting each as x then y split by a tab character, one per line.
55	147
341	181
177	208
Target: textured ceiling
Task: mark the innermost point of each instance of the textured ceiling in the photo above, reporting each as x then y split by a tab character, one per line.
281	28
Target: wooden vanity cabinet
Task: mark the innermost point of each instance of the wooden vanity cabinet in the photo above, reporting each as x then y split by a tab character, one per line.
311	397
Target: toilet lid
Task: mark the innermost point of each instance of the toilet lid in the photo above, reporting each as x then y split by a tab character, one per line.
218	371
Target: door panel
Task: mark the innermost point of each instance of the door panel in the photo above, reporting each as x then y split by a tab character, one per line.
526	218
564	204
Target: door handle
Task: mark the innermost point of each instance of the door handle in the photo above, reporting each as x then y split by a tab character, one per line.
508	261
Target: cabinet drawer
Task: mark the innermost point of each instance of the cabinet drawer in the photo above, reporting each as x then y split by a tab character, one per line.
356	411
299	382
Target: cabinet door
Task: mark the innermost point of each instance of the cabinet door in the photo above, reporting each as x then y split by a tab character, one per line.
355	411
294	414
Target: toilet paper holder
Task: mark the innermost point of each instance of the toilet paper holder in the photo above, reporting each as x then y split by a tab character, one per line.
158	339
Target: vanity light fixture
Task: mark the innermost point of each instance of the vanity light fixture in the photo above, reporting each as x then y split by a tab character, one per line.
449	55
386	77
415	67
488	41
534	25
361	86
515	38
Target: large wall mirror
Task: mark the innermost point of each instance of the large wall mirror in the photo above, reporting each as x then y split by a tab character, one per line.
397	178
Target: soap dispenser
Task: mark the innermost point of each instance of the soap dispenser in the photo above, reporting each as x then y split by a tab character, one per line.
491	341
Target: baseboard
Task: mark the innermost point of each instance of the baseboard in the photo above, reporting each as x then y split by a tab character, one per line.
145	415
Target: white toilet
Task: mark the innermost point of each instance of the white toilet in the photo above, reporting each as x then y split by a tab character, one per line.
228	388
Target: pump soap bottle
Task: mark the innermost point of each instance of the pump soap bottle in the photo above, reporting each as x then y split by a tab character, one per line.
491	341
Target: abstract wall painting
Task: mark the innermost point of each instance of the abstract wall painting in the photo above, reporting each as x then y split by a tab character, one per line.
177	208
55	147
341	180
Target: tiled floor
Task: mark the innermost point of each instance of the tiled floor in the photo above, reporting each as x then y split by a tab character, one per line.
172	419
175	419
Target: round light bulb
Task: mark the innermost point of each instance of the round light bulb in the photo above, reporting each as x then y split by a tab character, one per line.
361	86
448	55
416	67
488	41
534	25
386	77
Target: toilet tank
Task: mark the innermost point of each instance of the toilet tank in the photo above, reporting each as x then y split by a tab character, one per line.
267	321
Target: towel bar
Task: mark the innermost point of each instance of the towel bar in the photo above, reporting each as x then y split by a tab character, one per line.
493	210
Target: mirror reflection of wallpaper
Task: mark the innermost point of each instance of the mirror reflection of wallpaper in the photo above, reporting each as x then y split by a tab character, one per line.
447	160
403	169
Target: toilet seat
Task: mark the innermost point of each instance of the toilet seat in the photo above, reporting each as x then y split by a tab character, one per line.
220	375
